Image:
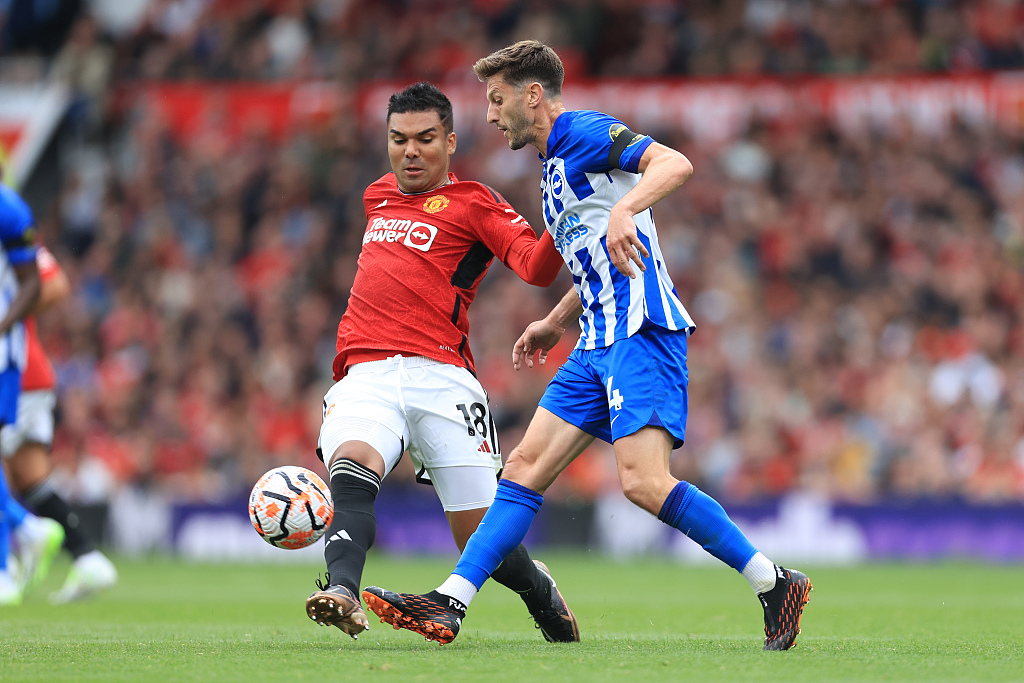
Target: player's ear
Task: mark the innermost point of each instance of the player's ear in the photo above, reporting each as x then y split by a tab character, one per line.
451	143
534	94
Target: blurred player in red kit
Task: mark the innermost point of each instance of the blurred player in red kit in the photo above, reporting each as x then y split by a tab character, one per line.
404	370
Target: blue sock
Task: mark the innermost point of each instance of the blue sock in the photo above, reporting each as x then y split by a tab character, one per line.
5	522
5	541
500	532
700	517
16	512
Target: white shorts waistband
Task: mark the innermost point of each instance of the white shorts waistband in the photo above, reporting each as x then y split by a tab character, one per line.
392	362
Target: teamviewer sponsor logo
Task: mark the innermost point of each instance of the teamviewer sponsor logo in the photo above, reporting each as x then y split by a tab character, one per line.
420	236
412	234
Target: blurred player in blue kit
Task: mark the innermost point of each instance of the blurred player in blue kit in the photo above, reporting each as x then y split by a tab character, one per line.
626	380
25	448
38	540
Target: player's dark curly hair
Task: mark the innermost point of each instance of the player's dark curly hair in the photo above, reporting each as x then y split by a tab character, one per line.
522	63
423	96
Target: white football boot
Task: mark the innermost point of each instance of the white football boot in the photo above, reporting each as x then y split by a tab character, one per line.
89	574
39	540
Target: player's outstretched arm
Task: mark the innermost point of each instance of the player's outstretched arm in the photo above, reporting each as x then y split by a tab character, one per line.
664	169
542	335
534	259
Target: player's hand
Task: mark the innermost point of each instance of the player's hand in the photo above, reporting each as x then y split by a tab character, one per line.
539	338
623	243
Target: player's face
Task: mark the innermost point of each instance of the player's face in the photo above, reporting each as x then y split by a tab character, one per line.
419	150
506	109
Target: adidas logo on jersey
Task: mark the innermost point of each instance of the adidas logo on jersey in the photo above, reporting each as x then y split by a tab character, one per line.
413	234
485	448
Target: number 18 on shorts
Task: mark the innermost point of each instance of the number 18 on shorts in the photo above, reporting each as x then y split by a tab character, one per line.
436	411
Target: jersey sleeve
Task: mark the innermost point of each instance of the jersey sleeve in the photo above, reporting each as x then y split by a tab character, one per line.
498	225
537	262
47	263
376	193
367	198
598	143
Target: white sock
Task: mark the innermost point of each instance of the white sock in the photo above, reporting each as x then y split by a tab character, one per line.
30	530
760	573
460	588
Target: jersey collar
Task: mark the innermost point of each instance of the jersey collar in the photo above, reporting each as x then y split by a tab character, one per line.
558	131
451	179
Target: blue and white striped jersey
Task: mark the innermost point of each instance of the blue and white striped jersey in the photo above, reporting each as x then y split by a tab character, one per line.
591	163
17	246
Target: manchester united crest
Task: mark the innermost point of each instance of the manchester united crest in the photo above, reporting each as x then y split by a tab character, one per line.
436	203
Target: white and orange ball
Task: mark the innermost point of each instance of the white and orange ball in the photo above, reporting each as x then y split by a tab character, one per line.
290	507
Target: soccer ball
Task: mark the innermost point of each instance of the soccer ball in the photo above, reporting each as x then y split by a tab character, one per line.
290	507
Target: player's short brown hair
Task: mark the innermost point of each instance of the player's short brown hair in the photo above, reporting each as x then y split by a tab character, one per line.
525	62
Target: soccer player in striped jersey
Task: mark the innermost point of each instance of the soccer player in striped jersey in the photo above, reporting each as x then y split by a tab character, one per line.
38	539
626	381
25	447
404	370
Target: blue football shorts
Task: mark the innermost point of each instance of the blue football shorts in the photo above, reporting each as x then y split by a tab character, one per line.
616	391
10	389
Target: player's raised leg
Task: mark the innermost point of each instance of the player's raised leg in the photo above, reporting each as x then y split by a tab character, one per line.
643	459
549	446
355	475
362	438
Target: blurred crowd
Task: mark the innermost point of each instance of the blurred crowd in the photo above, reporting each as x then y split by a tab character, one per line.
352	40
857	296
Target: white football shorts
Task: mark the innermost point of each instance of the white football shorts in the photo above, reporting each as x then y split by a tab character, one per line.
436	411
34	422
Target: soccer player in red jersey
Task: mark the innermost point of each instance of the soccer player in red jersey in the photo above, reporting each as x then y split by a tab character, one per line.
404	369
25	445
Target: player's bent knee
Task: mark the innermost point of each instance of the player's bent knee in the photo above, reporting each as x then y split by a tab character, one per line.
638	496
359	452
29	466
645	491
530	473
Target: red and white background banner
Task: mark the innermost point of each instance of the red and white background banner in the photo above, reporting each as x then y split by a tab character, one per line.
707	110
717	110
29	114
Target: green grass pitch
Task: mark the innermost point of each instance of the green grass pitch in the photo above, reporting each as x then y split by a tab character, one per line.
643	621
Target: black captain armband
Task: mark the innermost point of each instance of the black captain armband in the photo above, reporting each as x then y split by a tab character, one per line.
621	139
22	240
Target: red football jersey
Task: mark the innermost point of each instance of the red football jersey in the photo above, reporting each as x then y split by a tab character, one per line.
422	260
38	372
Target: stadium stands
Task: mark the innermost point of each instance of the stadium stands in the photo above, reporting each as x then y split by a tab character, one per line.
857	290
